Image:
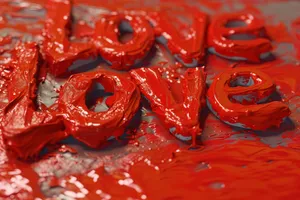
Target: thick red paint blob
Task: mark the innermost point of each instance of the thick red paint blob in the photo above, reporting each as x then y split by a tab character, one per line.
123	55
235	102
176	98
95	128
59	51
219	36
26	128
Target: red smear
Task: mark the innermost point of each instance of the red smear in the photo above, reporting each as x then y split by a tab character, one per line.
278	33
229	172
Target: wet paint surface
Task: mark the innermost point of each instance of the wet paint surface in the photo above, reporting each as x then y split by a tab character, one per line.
147	162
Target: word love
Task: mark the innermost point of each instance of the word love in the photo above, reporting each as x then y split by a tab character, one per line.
177	99
239	97
183	33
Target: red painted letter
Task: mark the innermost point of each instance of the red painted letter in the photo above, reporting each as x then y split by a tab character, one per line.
95	128
123	55
26	128
220	39
60	53
234	96
176	99
185	39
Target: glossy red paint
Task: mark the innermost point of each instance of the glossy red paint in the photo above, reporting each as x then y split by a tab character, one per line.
235	102
59	51
95	128
123	55
184	30
15	16
26	128
231	165
220	36
6	72
207	174
177	98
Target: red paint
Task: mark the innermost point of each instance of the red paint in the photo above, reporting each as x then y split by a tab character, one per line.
219	36
59	51
256	117
26	128
18	181
183	39
278	33
6	71
229	172
94	128
226	167
176	98
5	43
12	14
123	55
295	31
